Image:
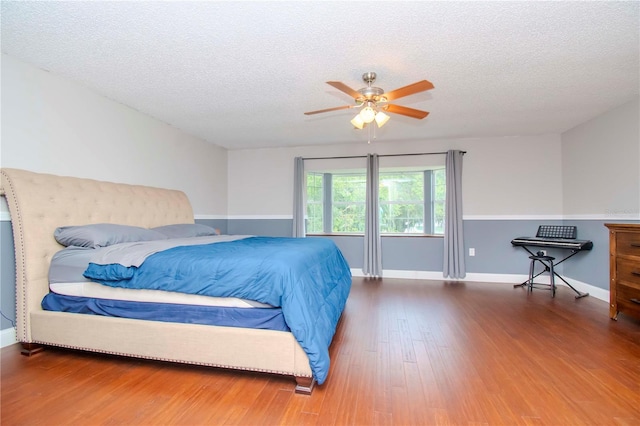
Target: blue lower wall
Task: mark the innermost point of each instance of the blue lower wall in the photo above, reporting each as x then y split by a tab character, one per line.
593	268
7	275
490	238
262	227
220	224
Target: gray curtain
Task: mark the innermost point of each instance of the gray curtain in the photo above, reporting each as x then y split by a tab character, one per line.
298	198
453	236
372	246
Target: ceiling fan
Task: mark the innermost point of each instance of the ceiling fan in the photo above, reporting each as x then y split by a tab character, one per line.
374	100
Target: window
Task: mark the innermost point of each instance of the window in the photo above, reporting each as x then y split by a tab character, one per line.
314	203
348	202
401	197
411	202
437	200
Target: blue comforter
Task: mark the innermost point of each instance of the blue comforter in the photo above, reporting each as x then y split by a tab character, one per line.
308	277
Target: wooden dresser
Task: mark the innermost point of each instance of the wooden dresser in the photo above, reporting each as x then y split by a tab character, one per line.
624	264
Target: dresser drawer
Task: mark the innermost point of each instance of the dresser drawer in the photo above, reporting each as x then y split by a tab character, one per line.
628	243
628	272
628	300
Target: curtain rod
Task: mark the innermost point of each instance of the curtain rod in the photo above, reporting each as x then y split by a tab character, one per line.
381	155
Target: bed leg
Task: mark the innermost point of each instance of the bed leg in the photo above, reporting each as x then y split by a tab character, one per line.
304	385
29	349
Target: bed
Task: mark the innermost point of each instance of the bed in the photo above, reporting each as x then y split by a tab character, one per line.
41	203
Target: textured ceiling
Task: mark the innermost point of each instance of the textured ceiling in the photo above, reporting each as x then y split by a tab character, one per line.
241	74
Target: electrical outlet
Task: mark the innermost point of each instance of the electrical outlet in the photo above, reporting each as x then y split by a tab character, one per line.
472	252
544	252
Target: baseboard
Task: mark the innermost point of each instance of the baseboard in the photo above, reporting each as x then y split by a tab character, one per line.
437	275
597	292
8	337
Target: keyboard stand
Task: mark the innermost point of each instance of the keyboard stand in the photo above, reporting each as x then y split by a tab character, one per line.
579	294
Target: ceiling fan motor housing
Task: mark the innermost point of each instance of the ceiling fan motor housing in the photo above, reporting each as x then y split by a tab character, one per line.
369	77
371	94
371	97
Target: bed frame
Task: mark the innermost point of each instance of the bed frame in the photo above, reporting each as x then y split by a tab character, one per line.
39	203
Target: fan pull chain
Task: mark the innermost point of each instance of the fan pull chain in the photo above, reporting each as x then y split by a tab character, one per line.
372	125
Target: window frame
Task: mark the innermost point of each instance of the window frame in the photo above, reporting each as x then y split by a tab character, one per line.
428	202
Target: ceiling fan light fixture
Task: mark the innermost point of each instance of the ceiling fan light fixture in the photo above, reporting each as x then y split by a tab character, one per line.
374	100
357	122
381	118
367	114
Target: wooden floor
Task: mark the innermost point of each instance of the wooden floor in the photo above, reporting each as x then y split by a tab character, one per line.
406	352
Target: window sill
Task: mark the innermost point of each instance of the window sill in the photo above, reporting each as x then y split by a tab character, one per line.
382	235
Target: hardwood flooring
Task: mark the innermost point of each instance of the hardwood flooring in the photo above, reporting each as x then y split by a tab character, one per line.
406	352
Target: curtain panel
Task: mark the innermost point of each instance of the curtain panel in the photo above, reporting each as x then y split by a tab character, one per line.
453	266
298	198
372	243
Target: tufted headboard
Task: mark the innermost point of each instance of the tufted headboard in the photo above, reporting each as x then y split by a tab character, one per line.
39	203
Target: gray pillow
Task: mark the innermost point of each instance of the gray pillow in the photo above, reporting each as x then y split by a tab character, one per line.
103	234
186	230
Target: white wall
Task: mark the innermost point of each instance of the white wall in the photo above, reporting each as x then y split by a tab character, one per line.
506	177
601	165
53	125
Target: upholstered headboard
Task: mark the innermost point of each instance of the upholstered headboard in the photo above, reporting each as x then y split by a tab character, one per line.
39	203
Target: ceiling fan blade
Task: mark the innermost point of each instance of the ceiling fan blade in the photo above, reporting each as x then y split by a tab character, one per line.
328	109
417	87
346	89
409	112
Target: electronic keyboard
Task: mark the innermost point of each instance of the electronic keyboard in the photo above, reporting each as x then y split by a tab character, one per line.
560	243
552	236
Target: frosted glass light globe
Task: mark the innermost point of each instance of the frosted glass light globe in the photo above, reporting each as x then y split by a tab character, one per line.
367	114
381	118
357	122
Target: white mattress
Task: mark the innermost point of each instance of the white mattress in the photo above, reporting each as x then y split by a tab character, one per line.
99	291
